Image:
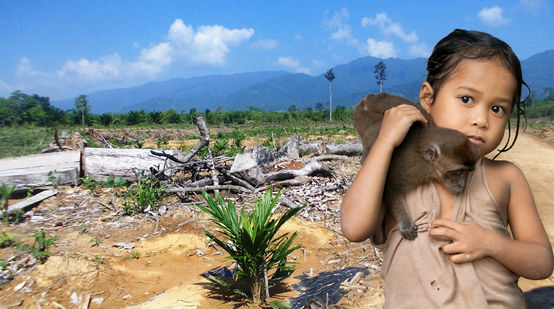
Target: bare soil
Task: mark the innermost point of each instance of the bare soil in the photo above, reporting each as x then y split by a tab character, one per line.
162	270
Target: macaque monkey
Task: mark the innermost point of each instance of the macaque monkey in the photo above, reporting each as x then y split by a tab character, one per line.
428	153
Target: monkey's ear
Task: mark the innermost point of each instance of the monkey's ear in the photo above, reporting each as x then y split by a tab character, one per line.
431	153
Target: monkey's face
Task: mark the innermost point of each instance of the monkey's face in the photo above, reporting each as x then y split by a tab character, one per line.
453	159
455	180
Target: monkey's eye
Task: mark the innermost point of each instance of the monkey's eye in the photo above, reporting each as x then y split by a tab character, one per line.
456	173
466	99
498	110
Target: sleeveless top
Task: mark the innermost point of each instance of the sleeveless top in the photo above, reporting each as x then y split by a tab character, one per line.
418	274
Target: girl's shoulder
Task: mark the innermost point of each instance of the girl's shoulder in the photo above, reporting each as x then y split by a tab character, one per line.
502	169
502	177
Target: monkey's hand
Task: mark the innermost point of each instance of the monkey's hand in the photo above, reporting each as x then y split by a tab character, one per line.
396	123
408	229
468	241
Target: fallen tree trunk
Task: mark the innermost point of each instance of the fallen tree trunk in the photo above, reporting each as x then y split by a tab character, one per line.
41	170
124	163
320	148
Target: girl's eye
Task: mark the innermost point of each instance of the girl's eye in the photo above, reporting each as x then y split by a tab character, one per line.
466	100
498	110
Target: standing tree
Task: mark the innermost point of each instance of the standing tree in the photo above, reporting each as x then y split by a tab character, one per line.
330	76
81	103
380	75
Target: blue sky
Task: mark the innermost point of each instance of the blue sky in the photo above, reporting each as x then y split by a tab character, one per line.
61	49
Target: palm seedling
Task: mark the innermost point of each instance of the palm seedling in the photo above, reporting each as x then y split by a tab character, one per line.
251	240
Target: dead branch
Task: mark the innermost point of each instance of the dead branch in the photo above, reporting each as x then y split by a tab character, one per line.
96	135
208	188
256	177
204	139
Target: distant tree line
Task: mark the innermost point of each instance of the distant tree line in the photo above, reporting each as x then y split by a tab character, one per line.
536	108
23	109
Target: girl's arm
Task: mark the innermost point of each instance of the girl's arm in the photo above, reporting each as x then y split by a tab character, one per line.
528	255
361	208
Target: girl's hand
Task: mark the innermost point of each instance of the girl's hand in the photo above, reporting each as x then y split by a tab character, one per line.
468	241
396	123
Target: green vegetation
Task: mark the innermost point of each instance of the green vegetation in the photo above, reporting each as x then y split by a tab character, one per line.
251	240
541	108
144	193
39	248
91	184
5	194
6	239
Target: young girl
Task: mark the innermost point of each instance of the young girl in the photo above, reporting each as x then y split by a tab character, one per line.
463	256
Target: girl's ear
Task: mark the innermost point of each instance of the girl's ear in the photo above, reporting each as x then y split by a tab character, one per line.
426	96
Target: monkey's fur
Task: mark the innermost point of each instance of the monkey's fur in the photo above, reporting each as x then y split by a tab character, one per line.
428	153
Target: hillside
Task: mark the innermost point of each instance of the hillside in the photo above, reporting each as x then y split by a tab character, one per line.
277	90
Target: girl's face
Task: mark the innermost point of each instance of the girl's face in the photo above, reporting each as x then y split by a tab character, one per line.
475	100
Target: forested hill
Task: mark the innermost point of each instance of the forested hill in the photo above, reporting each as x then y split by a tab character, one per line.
277	90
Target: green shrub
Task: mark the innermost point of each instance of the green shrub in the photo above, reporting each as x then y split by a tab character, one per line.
142	194
220	147
251	240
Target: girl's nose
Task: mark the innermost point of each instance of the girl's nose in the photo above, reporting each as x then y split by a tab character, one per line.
480	120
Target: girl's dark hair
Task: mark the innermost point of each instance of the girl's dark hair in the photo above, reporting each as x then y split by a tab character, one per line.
464	44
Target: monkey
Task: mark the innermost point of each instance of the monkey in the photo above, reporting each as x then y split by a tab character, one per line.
427	154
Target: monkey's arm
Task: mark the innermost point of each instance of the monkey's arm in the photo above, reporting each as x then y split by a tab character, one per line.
528	255
362	206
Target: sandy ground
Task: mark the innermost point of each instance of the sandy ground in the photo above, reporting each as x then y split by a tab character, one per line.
163	269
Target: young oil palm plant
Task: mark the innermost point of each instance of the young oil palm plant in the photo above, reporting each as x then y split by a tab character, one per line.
251	240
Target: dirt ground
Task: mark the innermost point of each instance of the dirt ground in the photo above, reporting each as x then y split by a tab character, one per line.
107	260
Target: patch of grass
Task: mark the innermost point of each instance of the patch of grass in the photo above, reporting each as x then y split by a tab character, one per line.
24	140
131	256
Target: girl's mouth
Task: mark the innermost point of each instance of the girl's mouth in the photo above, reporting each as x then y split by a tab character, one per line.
477	140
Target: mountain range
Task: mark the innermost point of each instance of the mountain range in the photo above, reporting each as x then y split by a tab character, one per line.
277	90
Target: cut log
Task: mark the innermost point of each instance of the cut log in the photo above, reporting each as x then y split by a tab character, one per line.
319	148
124	163
32	201
41	170
344	149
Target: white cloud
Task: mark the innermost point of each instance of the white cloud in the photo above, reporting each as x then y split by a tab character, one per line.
389	27
419	50
493	16
293	64
379	49
298	37
205	46
208	45
107	67
266	44
24	68
343	32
